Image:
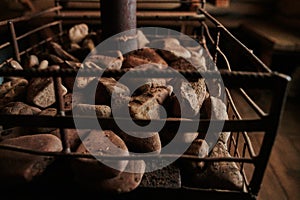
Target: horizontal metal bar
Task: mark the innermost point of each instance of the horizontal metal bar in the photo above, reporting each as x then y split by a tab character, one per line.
243	47
253	105
6	44
67	1
129	157
234	79
40	43
209	16
38	29
87	122
169	15
6	62
140	15
151	73
141	2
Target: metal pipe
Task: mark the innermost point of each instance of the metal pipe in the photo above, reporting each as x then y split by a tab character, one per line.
14	40
117	16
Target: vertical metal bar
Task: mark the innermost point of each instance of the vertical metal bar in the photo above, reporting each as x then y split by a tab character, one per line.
60	27
61	110
217	41
203	3
14	40
183	28
202	33
243	155
236	143
57	3
278	102
117	16
231	138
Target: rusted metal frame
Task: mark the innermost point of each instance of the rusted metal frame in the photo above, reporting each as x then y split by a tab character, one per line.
61	112
97	1
141	2
258	169
216	44
117	157
202	34
5	62
256	108
44	12
248	99
170	15
233	144
179	37
146	1
230	140
224	57
141	15
210	17
38	29
230	77
253	105
52	24
238	116
207	32
174	15
247	141
243	155
236	145
234	79
162	1
5	45
274	118
247	52
57	4
107	123
237	155
246	180
14	41
205	29
41	43
61	32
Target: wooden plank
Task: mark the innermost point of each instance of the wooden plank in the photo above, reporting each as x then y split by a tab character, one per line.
271	188
295	141
281	39
286	164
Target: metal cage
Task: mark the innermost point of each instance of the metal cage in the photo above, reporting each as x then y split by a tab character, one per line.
244	76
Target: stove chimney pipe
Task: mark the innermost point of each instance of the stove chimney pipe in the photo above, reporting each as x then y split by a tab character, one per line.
117	16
